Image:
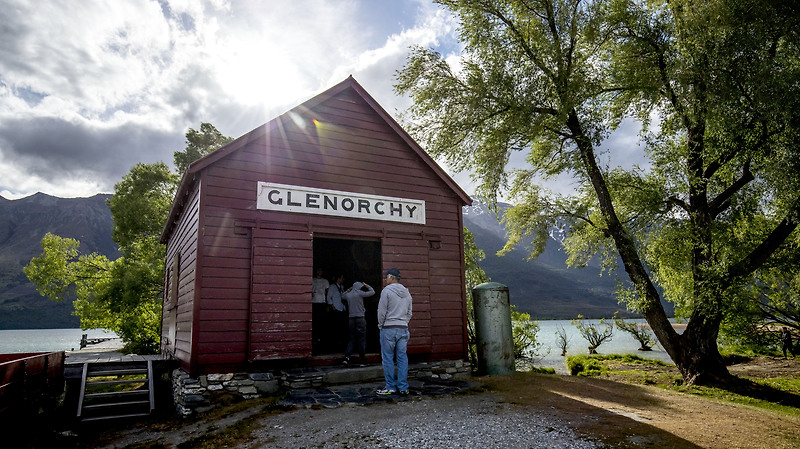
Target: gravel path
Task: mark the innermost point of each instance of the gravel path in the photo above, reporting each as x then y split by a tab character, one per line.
470	421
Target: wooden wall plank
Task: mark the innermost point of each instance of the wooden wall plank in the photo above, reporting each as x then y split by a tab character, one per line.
274	286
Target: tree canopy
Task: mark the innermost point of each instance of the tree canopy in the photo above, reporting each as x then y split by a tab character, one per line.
123	295
198	144
714	85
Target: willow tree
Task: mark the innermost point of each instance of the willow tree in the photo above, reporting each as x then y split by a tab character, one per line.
715	85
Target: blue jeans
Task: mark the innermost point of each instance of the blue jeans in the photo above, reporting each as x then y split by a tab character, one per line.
393	346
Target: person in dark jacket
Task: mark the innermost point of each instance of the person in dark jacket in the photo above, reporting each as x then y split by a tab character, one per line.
786	342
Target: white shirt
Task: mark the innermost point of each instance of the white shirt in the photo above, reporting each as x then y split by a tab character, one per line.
318	287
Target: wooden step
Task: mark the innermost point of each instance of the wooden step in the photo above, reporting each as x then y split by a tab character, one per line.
115	404
126	416
106	373
115	394
117	366
106	405
116	382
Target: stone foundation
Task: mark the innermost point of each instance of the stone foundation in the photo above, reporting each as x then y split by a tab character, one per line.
444	370
204	392
207	390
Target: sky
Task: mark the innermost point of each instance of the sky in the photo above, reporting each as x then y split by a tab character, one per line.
88	89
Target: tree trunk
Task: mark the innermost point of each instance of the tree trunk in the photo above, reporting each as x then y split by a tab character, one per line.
695	352
699	360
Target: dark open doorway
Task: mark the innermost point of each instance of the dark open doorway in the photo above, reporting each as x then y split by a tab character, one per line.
357	260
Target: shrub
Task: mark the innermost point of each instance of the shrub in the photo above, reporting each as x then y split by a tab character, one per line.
583	365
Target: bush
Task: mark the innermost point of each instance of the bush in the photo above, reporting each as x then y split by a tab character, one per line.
584	365
594	365
590	332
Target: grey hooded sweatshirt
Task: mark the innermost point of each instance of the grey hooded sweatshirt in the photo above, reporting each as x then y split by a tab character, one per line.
394	307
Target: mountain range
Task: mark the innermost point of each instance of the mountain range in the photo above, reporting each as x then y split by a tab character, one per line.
23	223
544	287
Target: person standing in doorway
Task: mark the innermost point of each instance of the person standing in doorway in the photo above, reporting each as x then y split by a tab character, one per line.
337	319
394	313
319	290
319	287
354	297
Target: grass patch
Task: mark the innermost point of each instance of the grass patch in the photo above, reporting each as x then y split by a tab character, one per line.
93	388
753	399
215	436
598	364
239	432
646	377
778	394
791	385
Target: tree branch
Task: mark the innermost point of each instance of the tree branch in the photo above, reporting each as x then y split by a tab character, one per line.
720	203
762	252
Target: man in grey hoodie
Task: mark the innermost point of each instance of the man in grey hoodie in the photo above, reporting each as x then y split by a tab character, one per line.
394	313
354	297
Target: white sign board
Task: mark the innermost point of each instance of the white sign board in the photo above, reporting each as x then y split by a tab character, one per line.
307	200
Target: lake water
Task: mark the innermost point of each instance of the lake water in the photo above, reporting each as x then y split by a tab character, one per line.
46	340
621	343
41	340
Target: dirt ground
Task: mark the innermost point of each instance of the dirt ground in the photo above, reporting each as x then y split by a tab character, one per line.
620	413
610	411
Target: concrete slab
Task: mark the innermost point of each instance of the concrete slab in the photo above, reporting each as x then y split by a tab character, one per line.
353	375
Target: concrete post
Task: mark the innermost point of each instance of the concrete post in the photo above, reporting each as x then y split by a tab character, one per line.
495	343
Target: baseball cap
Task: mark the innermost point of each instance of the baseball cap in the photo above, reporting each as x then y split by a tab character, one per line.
393	271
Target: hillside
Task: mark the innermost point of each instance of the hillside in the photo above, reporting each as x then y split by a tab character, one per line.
545	287
23	223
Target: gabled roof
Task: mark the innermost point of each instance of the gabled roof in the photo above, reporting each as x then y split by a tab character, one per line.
190	176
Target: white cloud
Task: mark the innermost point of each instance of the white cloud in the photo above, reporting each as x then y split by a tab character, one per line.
88	89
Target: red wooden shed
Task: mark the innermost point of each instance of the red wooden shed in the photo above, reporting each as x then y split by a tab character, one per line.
333	183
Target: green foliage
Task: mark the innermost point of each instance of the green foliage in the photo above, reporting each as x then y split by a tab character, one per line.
596	364
789	386
764	307
198	144
474	276
524	331
592	334
714	85
472	258
642	335
123	295
583	365
60	269
141	203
